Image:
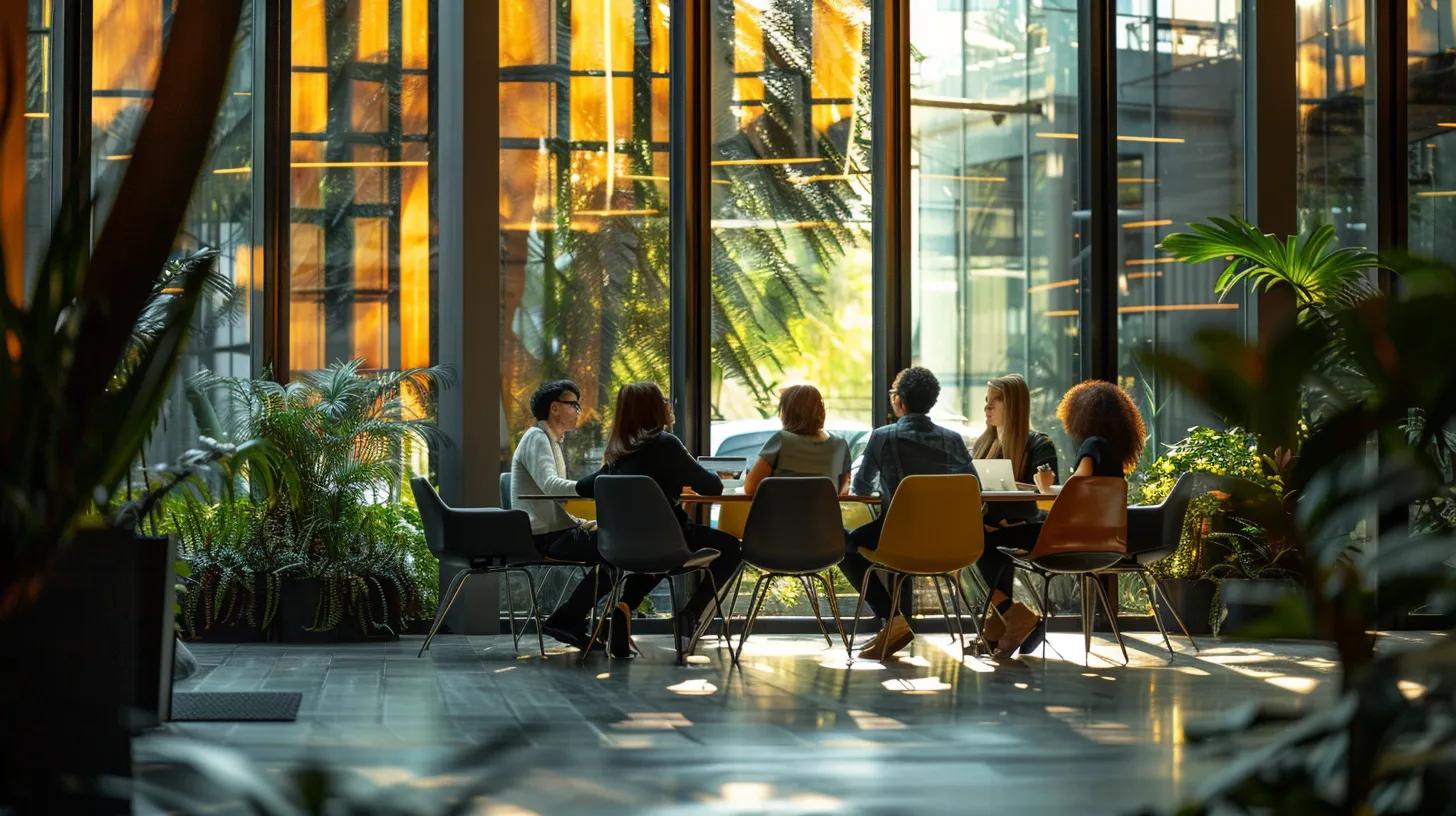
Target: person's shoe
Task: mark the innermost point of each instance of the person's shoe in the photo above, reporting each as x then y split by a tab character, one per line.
895	636
1033	640
1020	623
993	628
622	632
566	633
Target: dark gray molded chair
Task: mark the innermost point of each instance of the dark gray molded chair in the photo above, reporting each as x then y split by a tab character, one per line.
543	563
474	541
1153	534
793	531
637	533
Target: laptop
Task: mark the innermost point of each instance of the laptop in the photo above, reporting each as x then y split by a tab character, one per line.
728	468
996	474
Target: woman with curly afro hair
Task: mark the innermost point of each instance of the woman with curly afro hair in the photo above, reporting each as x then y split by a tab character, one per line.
1108	430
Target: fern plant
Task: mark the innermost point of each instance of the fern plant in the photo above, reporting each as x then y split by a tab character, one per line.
1318	274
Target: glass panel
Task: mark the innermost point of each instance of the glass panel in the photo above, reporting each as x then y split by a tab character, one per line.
791	261
584	207
361	201
1431	112
1180	159
1336	121
127	42
39	108
997	204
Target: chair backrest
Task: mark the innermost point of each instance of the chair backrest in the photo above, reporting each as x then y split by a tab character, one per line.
636	528
505	490
934	525
793	525
1175	508
432	513
1089	516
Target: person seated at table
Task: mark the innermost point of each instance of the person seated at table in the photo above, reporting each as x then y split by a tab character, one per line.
640	444
912	445
539	466
803	447
1033	458
1105	424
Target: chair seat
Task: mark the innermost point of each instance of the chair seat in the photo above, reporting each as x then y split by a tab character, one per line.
791	569
926	569
1071	562
701	558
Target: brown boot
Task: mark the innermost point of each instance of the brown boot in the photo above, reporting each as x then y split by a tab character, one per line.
1020	623
895	636
993	628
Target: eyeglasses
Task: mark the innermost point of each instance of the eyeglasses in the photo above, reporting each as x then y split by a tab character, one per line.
573	403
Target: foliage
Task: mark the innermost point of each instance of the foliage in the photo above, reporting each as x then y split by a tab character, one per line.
1248	554
1317	274
73	435
1376	750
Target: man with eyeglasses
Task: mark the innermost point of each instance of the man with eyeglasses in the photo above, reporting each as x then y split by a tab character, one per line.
539	466
912	445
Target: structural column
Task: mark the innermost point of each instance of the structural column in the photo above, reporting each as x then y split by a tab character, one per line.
690	191
890	196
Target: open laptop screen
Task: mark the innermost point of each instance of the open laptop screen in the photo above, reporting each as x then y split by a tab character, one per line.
728	468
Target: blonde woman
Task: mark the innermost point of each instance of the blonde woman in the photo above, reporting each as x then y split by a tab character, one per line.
803	447
1033	459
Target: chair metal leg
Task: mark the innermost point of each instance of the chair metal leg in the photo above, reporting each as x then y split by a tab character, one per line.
813	598
511	608
864	586
535	611
898	581
1111	617
1089	616
672	609
1046	608
755	601
737	581
1153	608
828	582
960	590
1158	585
944	610
604	620
723	622
447	600
955	605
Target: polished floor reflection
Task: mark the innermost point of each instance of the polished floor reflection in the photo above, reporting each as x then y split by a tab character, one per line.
794	731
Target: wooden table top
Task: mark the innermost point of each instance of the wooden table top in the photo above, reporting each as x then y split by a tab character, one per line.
740	498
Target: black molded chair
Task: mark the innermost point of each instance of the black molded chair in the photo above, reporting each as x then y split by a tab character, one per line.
542	563
474	541
1153	534
793	531
637	533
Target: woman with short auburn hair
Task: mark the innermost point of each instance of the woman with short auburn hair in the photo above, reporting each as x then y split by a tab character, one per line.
803	447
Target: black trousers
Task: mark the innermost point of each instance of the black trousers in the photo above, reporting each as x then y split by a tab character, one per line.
854	566
579	545
994	565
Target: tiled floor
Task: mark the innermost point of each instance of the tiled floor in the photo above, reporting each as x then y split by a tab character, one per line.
792	731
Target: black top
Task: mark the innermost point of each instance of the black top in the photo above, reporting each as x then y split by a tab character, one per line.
1039	451
663	459
1104	461
912	446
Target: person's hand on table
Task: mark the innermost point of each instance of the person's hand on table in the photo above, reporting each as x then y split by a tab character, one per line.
1044	478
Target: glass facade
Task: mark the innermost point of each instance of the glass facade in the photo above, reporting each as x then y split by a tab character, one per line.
361	203
1431	119
39	107
584	206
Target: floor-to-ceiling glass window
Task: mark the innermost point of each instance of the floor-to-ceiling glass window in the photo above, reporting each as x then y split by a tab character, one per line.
361	218
127	38
1181	147
39	108
791	263
998	217
1336	120
583	199
1431	117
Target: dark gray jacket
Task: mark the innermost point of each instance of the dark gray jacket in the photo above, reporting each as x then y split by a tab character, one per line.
912	446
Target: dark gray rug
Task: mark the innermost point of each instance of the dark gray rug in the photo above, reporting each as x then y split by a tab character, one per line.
235	706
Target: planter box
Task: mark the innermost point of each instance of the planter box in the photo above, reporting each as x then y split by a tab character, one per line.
81	668
1247	602
298	605
1192	598
234	629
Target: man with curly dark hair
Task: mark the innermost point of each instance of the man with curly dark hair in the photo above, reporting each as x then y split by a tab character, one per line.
912	445
1104	422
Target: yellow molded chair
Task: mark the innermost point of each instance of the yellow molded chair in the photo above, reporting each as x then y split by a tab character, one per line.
933	529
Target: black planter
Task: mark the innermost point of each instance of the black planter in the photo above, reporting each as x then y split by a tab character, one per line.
1192	598
298	605
1246	601
234	628
83	667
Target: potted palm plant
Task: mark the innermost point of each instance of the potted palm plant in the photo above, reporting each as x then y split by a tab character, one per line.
73	590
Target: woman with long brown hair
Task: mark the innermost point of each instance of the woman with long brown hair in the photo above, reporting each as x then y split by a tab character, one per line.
1009	435
1105	424
640	444
803	447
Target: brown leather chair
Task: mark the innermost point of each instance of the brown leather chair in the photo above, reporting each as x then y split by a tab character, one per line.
1085	534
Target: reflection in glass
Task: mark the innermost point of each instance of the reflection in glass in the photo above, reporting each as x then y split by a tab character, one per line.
583	198
361	204
791	262
1336	121
1431	116
39	109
